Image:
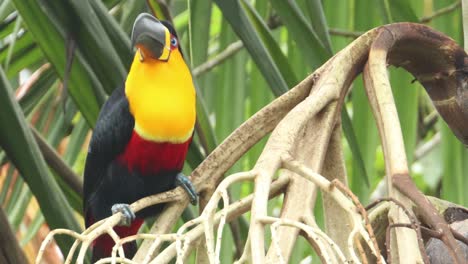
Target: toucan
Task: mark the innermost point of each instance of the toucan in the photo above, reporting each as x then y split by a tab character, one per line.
141	138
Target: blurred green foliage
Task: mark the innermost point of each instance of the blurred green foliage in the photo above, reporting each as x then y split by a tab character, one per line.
281	42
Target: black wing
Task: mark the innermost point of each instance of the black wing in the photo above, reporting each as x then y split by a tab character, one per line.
110	136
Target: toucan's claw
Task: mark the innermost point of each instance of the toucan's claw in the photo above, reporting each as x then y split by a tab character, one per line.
127	214
184	182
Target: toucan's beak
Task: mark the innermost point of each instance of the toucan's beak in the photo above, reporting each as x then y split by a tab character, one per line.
151	37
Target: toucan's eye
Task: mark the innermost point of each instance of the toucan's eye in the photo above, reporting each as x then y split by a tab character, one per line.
173	42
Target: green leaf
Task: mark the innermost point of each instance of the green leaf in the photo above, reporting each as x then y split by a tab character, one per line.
156	10
319	22
406	94
353	145
15	193
23	42
362	117
6	8
454	154
385	9
16	215
12	43
6	183
84	87
37	90
130	10
181	21
194	155
242	26
33	228
77	138
307	40
231	88
78	22
271	44
117	37
17	141
22	60
455	157
205	124
7	25
200	25
258	98
402	11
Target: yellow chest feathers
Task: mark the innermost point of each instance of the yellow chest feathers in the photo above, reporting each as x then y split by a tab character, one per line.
161	96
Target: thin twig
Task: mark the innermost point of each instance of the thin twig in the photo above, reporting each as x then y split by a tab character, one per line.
342	200
113	260
24	88
235	209
345	33
413	222
438	235
311	232
441	12
427	147
363	213
237	46
300	189
361	250
207	217
459	236
227	53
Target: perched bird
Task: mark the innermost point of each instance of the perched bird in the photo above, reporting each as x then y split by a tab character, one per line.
142	135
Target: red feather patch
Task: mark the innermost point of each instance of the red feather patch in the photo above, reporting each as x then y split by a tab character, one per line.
150	157
103	245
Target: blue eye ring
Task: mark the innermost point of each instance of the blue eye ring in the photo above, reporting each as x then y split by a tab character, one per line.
174	42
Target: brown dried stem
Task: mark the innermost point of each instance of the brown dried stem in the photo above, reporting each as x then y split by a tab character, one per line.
362	211
306	124
289	134
441	78
420	241
414	223
233	211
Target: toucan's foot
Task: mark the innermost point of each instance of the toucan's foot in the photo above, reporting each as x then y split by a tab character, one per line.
127	214
184	182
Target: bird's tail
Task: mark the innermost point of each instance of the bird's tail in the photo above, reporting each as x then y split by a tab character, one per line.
102	246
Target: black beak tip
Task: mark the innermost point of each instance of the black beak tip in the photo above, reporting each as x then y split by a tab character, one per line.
150	33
